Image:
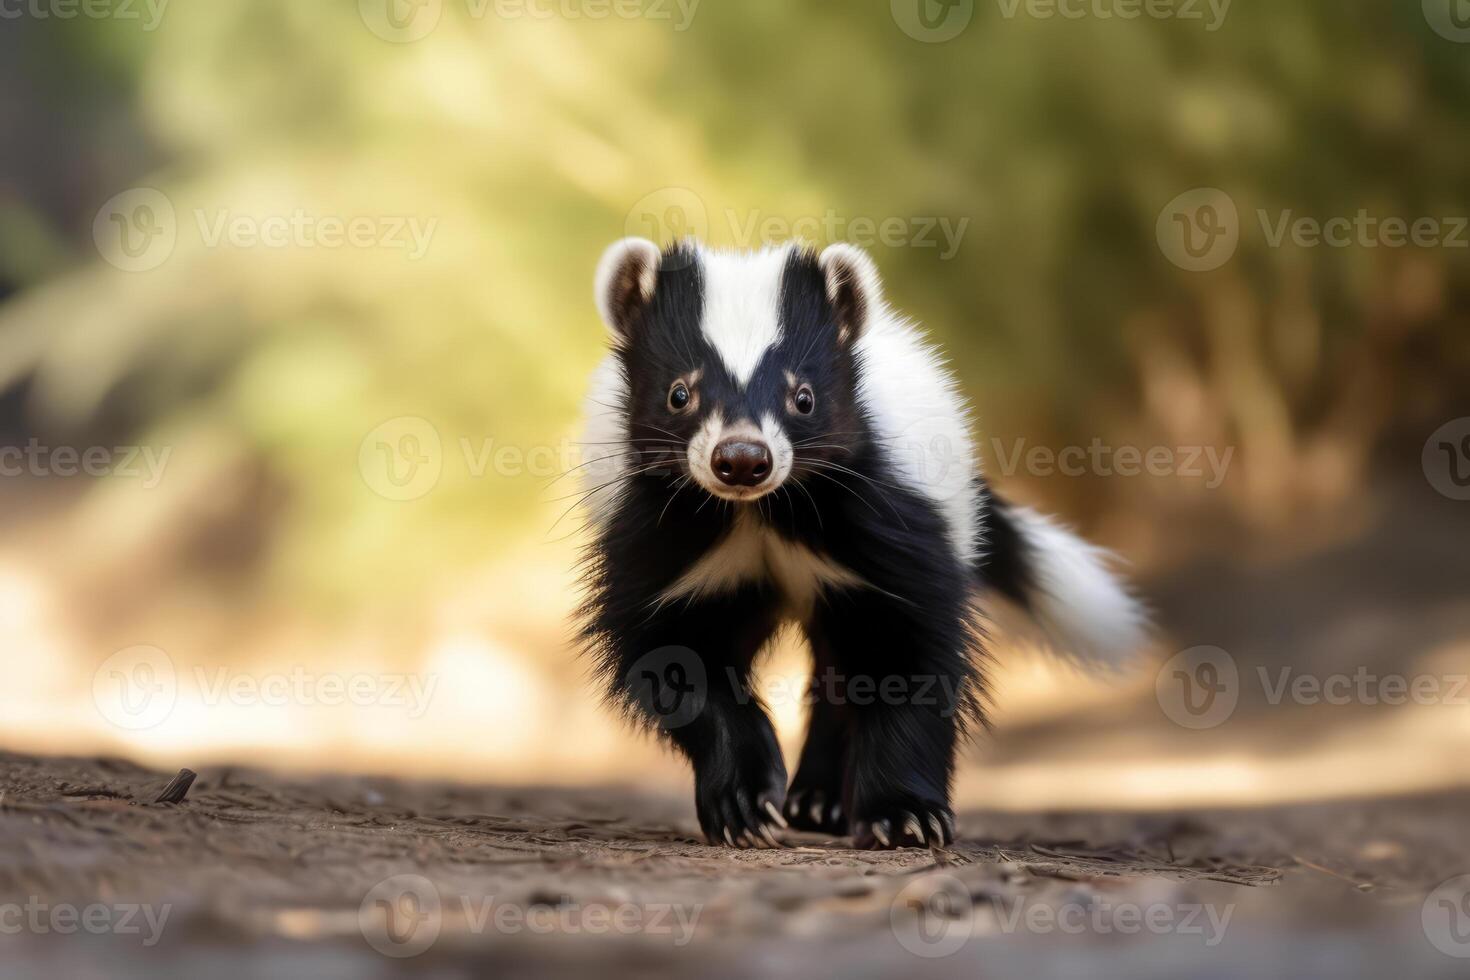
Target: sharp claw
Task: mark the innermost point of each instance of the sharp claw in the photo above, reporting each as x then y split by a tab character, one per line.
835	815
816	811
881	835
912	828
728	839
775	814
938	829
769	837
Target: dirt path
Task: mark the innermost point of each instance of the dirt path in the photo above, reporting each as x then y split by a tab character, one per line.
258	875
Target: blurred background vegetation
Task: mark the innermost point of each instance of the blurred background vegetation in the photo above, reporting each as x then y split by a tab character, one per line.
528	143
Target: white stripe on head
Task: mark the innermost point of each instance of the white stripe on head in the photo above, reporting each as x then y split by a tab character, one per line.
742	298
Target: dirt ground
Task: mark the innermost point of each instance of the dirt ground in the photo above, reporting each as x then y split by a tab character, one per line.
258	875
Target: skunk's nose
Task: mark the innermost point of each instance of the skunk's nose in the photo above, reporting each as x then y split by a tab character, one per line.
741	464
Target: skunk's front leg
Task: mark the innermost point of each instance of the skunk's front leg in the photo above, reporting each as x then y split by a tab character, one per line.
815	800
687	670
907	677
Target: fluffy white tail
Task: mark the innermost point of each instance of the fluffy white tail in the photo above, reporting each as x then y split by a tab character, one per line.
1087	615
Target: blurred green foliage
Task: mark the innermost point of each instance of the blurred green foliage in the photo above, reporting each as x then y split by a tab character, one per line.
531	143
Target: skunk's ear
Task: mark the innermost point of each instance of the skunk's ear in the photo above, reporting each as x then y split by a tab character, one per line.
625	280
853	287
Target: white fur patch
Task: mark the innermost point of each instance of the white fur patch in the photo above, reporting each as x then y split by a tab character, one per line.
782	453
606	456
701	446
922	422
742	295
1084	610
752	553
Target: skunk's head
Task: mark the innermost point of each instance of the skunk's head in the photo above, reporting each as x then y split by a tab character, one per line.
737	367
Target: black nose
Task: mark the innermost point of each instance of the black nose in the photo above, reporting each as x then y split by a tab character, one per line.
741	464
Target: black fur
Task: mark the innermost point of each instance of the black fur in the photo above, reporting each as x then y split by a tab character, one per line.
896	678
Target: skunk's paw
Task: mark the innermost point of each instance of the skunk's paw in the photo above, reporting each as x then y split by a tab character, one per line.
740	812
811	808
907	823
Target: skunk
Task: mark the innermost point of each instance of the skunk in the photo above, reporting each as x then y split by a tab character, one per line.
768	443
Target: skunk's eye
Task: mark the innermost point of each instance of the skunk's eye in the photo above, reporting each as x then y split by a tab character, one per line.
678	397
804	400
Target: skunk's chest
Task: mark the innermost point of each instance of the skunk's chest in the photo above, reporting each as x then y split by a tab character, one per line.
753	553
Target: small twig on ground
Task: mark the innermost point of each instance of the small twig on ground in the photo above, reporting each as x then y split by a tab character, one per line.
1362	886
178	787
